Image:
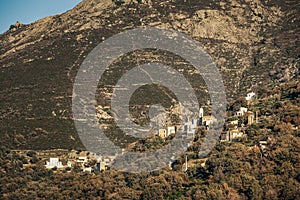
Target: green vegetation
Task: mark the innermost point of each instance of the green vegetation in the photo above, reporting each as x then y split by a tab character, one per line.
118	2
236	170
36	89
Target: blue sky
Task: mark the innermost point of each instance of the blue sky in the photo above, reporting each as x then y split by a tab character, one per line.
28	11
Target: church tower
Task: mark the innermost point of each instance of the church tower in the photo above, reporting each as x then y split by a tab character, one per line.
201	113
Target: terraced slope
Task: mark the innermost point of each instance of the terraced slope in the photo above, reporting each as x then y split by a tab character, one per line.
255	44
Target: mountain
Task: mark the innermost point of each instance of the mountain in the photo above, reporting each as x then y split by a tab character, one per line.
255	45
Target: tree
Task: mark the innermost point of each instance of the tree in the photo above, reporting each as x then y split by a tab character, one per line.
34	160
118	2
31	153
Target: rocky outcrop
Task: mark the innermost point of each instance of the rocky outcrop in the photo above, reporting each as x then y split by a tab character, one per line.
16	26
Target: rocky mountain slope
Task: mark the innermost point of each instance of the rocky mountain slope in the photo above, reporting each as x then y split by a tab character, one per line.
255	45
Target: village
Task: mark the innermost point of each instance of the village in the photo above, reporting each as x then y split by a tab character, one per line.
89	162
235	126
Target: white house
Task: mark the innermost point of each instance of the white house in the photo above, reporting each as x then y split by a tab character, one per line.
194	123
162	133
54	162
82	160
235	133
70	163
250	118
250	96
263	145
187	125
242	111
190	133
234	122
208	120
171	130
87	169
190	125
100	165
107	160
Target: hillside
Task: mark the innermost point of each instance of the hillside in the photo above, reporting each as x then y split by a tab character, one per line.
255	45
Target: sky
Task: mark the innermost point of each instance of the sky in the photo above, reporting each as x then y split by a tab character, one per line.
28	11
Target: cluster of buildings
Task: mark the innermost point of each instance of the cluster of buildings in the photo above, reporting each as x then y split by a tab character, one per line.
54	162
234	128
86	161
190	125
